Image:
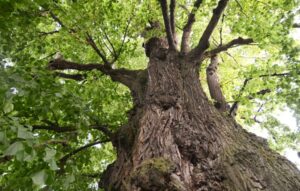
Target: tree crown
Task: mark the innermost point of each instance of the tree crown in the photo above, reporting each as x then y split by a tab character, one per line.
53	113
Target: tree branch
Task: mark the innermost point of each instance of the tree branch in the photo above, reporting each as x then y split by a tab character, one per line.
214	84
64	159
92	175
89	38
172	16
184	8
91	42
124	76
296	25
104	129
42	33
59	64
77	77
188	27
56	19
54	128
204	40
236	42
117	54
5	159
110	43
234	106
164	8
221	30
259	110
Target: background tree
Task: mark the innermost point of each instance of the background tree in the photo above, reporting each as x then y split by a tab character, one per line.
74	75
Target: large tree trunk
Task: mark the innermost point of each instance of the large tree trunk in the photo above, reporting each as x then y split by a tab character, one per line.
176	140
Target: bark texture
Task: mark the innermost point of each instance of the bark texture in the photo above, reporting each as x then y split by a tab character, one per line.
214	84
176	140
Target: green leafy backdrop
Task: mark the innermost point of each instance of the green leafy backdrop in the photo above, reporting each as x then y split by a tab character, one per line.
32	96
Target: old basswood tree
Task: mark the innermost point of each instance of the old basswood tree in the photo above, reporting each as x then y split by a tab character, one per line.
157	85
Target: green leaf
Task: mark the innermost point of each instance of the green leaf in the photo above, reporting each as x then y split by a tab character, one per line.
70	178
14	148
29	157
53	165
23	133
8	107
39	178
3	138
50	154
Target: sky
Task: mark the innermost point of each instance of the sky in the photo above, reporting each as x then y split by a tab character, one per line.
286	117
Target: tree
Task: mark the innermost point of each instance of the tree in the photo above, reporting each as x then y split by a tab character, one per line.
59	100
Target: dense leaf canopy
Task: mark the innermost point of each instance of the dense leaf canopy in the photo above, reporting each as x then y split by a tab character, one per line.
50	121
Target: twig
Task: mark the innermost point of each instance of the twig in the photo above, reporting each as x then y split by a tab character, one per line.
241	7
235	104
259	109
91	41
221	30
64	159
123	42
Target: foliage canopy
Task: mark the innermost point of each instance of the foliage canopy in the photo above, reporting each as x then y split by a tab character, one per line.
48	122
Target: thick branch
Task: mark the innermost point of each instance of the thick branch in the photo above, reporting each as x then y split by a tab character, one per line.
204	40
170	37
123	76
59	64
188	27
236	42
77	77
214	85
53	128
104	129
172	16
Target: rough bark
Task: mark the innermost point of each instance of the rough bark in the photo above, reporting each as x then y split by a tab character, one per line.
214	84
176	140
